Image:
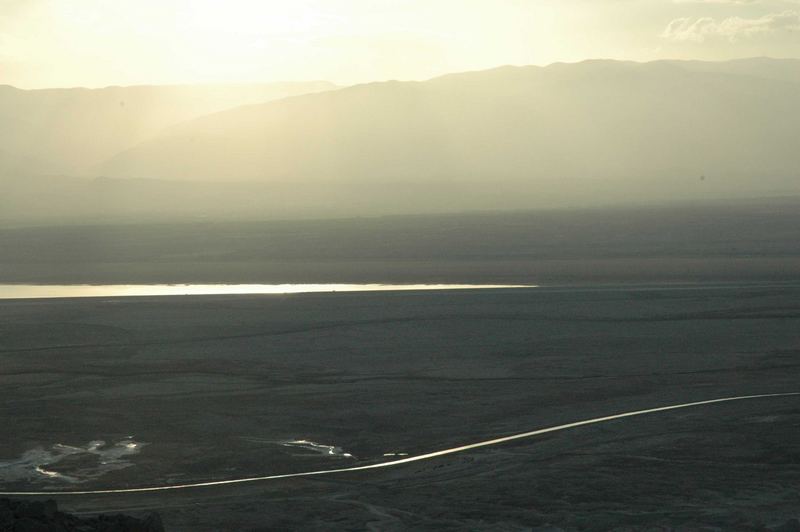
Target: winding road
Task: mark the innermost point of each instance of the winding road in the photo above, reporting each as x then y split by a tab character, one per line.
410	459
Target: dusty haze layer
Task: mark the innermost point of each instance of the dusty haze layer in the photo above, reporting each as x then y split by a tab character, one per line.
71	130
587	134
749	241
598	130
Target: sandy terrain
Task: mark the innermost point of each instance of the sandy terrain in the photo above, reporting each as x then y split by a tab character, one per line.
210	388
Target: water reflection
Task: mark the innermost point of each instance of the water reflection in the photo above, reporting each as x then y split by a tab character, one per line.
24	291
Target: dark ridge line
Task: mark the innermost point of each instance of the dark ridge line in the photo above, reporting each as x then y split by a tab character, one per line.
386	321
355	379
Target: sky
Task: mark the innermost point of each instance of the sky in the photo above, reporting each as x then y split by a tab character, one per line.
95	43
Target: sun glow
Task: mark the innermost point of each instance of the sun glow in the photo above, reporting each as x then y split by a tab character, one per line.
241	39
57	42
47	43
250	17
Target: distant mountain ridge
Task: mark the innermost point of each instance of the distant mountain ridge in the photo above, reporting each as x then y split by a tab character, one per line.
71	130
566	132
588	134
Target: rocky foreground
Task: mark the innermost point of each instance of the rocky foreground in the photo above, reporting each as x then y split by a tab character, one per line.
43	516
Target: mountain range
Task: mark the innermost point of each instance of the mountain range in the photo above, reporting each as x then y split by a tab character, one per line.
582	134
68	131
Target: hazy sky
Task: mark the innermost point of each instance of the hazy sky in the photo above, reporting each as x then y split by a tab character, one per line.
46	43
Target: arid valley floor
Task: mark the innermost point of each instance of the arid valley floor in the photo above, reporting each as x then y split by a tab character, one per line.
210	388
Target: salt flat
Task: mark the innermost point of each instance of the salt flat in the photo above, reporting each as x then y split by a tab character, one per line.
218	387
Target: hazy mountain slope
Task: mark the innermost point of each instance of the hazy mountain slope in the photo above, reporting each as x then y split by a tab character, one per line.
762	67
568	132
70	130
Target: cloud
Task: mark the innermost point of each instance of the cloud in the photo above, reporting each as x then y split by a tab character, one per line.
699	30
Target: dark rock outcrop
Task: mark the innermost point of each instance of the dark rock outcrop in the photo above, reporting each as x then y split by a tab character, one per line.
792	525
43	516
